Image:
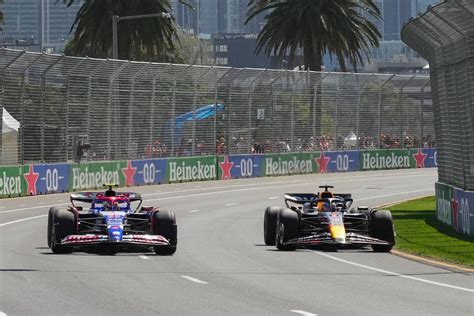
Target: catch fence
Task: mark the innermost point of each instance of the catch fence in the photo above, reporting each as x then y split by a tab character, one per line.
444	35
76	109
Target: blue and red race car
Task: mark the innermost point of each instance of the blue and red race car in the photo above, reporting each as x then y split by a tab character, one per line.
108	222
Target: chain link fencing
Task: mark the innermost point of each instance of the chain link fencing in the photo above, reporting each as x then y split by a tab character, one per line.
72	109
444	35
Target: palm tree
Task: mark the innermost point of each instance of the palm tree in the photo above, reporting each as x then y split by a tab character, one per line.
341	28
151	39
1	17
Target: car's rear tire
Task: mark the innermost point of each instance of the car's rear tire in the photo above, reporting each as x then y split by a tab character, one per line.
270	224
165	225
381	227
63	224
287	227
51	214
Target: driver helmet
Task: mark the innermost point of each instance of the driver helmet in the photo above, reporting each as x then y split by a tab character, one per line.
111	206
326	207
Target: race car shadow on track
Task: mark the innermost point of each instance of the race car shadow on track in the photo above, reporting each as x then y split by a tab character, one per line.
328	248
107	251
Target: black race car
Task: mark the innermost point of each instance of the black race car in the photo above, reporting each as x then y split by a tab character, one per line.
326	219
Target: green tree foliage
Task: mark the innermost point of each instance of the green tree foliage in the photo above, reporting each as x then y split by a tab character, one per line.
1	17
341	28
151	39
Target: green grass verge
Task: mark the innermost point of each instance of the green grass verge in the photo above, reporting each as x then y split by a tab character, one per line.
420	232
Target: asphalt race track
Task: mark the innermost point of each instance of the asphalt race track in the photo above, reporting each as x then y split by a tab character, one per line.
221	266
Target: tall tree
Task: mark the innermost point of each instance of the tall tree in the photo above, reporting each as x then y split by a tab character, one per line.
150	39
1	17
341	28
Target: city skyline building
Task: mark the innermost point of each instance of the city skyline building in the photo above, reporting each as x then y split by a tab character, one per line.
42	25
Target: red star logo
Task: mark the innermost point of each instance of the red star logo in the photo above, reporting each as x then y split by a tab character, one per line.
31	177
129	172
420	159
226	166
322	163
454	206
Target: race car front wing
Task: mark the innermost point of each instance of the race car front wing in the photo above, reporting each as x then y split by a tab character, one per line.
91	239
325	238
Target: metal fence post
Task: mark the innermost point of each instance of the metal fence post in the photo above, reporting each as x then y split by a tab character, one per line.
422	134
152	108
280	74
229	119
130	113
402	139
293	125
381	87
111	102
338	91
315	101
216	102
43	97
251	103
193	151
173	117
358	111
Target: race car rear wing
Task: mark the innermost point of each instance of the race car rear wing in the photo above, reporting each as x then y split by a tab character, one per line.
301	198
89	197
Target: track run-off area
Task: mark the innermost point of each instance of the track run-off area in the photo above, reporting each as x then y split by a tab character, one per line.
222	266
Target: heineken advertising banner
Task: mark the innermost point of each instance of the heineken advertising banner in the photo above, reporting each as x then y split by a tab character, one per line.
92	175
463	212
425	157
339	161
239	166
47	178
386	159
12	182
142	172
191	169
287	164
444	196
51	178
455	208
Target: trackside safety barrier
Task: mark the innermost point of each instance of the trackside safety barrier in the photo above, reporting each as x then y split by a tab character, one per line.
35	179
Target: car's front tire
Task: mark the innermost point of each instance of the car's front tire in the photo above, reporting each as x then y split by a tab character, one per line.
287	227
63	223
381	227
165	225
269	225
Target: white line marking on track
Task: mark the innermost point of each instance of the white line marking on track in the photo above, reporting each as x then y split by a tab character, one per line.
394	273
394	194
231	204
193	211
22	220
33	207
274	197
144	257
297	311
193	279
3	314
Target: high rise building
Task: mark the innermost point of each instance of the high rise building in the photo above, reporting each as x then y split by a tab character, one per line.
393	55
38	24
236	15
216	17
